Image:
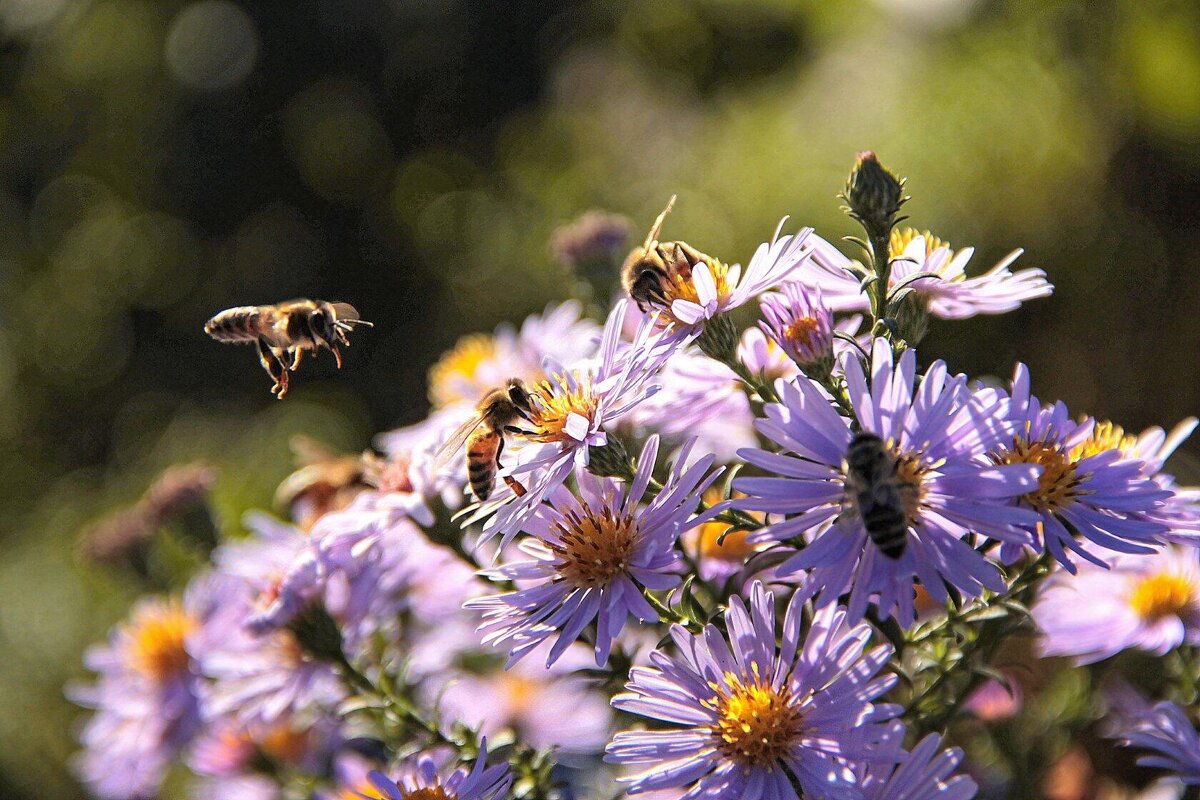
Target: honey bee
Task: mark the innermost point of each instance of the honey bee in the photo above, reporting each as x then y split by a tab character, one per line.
323	481
483	435
877	492
650	270
282	332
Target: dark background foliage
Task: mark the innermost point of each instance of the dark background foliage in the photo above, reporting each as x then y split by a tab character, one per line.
162	160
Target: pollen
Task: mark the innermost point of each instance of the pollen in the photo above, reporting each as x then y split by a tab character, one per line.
1162	595
1058	485
158	635
684	288
555	400
1105	436
455	371
757	724
594	547
902	238
910	473
803	332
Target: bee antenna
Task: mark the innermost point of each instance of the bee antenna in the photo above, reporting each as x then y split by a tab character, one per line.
658	223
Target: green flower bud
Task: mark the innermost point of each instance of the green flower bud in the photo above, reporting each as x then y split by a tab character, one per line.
873	194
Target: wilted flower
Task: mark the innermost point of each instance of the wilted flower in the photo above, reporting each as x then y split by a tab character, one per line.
755	713
946	293
1151	602
937	434
421	780
1094	492
593	556
1167	732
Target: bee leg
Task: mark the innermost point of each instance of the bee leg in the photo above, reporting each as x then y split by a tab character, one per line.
518	431
299	351
337	355
271	364
509	480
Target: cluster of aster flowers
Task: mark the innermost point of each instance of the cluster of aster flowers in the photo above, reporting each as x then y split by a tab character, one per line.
777	562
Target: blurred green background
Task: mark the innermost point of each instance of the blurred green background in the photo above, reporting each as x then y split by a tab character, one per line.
162	160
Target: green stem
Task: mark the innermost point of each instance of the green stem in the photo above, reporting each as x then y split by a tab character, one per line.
762	388
882	263
669	616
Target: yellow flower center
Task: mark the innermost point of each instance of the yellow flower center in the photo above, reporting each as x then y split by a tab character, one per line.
684	288
594	547
553	401
1162	595
910	472
456	369
757	724
1105	436
902	238
159	635
1058	485
522	692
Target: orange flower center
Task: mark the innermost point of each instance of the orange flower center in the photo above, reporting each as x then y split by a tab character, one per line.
159	640
757	724
1162	595
1058	485
594	547
554	401
802	331
733	547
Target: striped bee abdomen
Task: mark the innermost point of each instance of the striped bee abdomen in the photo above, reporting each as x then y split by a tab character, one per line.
483	448
887	525
235	325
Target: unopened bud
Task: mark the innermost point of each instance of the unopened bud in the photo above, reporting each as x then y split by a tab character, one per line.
610	460
873	194
177	490
719	340
318	634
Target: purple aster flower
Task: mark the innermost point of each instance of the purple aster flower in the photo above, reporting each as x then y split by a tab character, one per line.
700	397
593	555
947	292
1151	602
926	773
937	436
422	779
799	322
1167	732
148	695
755	716
717	288
1084	490
569	412
532	701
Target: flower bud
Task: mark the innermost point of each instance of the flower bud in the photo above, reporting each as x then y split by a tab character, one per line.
610	460
318	633
802	326
719	339
873	194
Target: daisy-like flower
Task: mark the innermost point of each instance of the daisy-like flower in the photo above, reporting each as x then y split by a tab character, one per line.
592	557
715	288
421	780
1167	732
799	322
937	435
1151	602
719	553
945	291
568	413
755	716
532	701
149	693
1084	490
926	773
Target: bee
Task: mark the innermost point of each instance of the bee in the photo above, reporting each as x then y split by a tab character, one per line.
483	436
877	492
323	481
282	332
650	270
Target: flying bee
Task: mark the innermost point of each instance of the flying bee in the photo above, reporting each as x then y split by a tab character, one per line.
650	270
282	332
878	492
483	434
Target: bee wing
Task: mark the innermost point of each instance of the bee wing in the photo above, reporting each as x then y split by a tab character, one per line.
455	442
